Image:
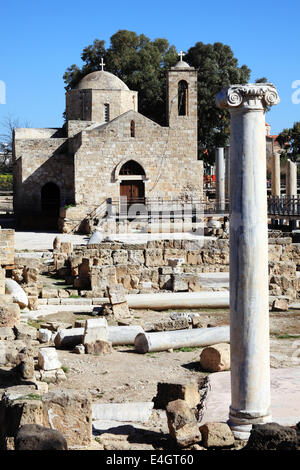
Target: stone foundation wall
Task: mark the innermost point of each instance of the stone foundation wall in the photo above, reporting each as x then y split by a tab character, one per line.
7	253
168	265
7	246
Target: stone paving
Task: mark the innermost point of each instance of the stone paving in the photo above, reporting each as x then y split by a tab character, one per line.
285	396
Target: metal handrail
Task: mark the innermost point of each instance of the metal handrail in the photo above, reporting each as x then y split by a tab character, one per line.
284	205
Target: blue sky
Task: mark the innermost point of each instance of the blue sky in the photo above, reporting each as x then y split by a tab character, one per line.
39	40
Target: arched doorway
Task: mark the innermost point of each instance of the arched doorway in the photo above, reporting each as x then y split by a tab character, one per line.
50	199
132	185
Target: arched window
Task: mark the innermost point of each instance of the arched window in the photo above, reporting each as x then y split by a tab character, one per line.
106	112
132	168
132	129
50	198
183	90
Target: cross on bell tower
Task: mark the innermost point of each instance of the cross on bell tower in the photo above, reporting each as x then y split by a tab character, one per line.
102	64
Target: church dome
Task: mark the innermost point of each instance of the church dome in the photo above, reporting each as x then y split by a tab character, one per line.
182	65
101	80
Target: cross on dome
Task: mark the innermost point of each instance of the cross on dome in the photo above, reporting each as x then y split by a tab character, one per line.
102	64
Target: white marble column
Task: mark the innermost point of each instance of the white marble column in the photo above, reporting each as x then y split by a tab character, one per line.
275	174
291	178
227	172
249	295
220	179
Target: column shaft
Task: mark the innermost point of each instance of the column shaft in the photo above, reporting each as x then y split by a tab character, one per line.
291	178
249	306
249	294
220	179
276	174
227	172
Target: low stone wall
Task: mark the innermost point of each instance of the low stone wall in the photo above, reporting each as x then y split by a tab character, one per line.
7	246
7	253
167	265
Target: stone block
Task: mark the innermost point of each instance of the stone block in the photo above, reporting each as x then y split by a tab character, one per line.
25	332
121	311
63	293
171	325
46	377
6	333
49	293
116	294
167	392
216	435
26	368
6	299
154	257
69	338
19	406
95	329
272	436
120	257
54	376
44	335
9	315
136	256
102	276
66	247
48	359
182	423
98	347
30	275
33	302
9	351
19	296
180	283
79	349
37	437
69	412
280	305
215	358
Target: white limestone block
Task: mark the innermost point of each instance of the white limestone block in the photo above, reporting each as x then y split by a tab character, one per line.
97	237
44	335
15	290
48	359
95	329
130	412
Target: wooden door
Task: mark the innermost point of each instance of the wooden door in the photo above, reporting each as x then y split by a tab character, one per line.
133	190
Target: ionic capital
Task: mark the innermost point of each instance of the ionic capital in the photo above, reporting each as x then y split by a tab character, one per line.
255	96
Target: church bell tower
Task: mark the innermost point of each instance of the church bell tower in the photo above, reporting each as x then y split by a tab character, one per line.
182	95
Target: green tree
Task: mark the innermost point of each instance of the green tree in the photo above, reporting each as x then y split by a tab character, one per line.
142	65
138	61
261	80
289	140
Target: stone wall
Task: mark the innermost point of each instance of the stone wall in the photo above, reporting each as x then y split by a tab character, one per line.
88	105
7	246
168	265
37	162
168	157
7	253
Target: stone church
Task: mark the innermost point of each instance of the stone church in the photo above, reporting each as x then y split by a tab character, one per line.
105	150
